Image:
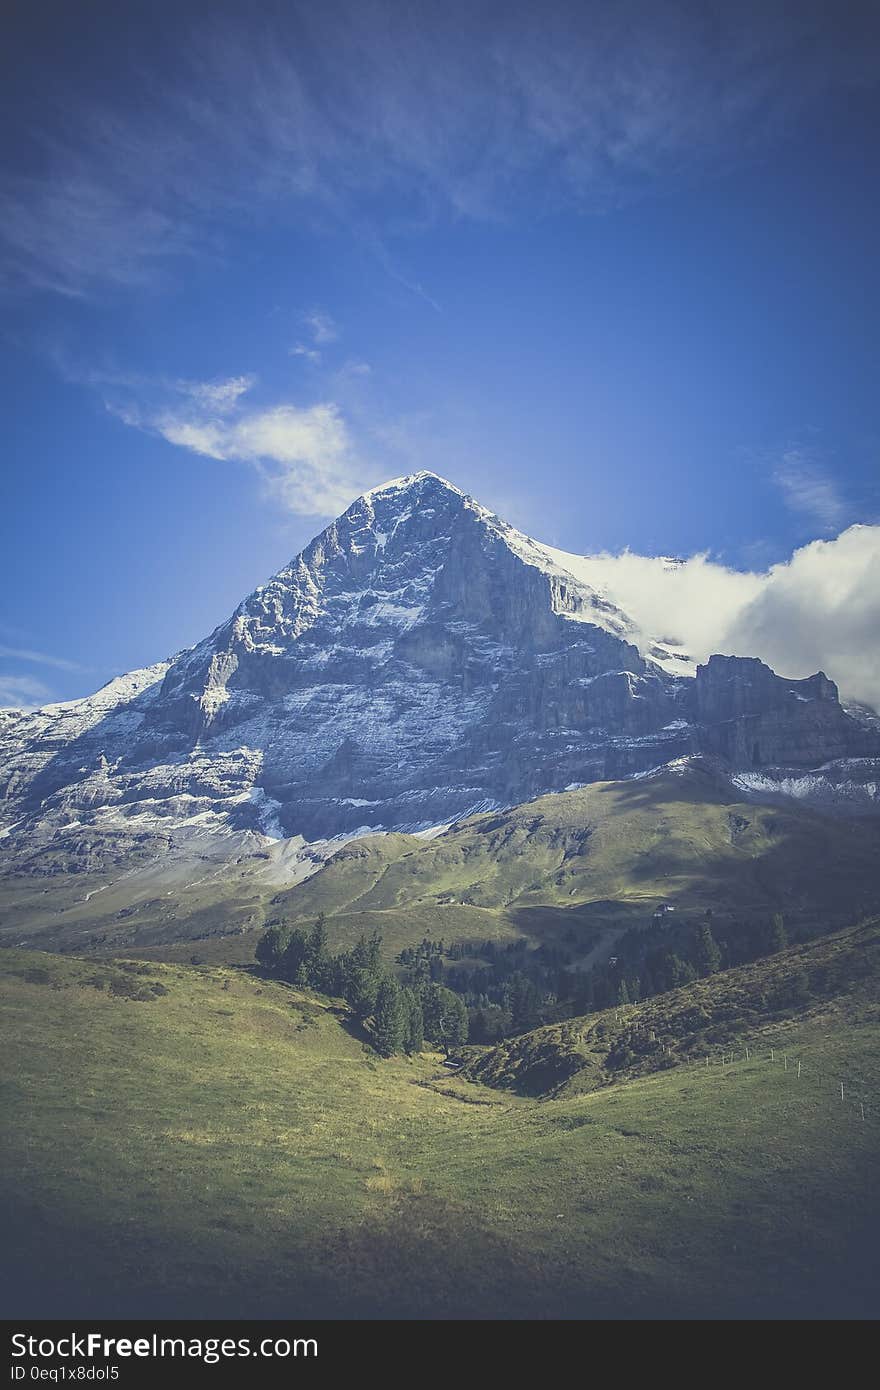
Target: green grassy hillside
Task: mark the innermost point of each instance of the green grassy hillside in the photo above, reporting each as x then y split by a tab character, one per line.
596	860
195	1140
824	983
587	863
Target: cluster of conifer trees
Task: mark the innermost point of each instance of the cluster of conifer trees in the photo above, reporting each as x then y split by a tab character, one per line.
654	961
511	987
399	1018
486	991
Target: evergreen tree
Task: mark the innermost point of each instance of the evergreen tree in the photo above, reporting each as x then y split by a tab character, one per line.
374	951
687	974
293	961
622	993
364	975
338	974
317	956
389	1030
455	1022
271	947
362	991
488	1023
707	955
360	953
521	1000
446	1017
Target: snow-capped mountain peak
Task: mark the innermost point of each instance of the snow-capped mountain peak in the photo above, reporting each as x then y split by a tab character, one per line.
419	658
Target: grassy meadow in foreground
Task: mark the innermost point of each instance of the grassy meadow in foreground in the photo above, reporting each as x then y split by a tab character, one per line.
233	1147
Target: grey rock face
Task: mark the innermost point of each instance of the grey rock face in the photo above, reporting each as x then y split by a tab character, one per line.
419	659
753	718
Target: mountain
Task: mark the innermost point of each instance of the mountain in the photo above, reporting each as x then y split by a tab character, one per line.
545	776
420	660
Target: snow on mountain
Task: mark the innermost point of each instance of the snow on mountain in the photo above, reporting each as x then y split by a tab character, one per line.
418	659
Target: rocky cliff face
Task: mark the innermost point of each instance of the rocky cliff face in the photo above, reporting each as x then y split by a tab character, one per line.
755	719
419	660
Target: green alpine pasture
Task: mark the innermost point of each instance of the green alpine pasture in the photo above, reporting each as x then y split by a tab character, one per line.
588	863
196	1140
593	862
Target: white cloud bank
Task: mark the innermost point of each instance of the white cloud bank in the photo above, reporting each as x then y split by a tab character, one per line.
820	610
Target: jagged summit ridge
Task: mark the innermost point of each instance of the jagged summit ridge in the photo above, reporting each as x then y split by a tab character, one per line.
420	658
414	552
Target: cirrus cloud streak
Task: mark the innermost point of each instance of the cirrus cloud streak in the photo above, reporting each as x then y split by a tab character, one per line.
318	113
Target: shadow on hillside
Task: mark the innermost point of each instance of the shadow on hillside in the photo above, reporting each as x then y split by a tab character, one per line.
588	920
413	1256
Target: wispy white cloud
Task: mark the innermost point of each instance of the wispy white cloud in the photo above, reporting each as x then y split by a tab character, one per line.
305	455
23	692
220	396
204	437
809	489
321	326
60	663
77	228
329	112
809	492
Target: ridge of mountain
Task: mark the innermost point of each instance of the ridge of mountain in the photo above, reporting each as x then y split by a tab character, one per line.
418	661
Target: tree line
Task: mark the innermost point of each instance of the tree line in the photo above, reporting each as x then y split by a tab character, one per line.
511	987
485	991
398	1017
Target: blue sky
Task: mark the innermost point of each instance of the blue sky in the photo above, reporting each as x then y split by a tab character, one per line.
610	268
